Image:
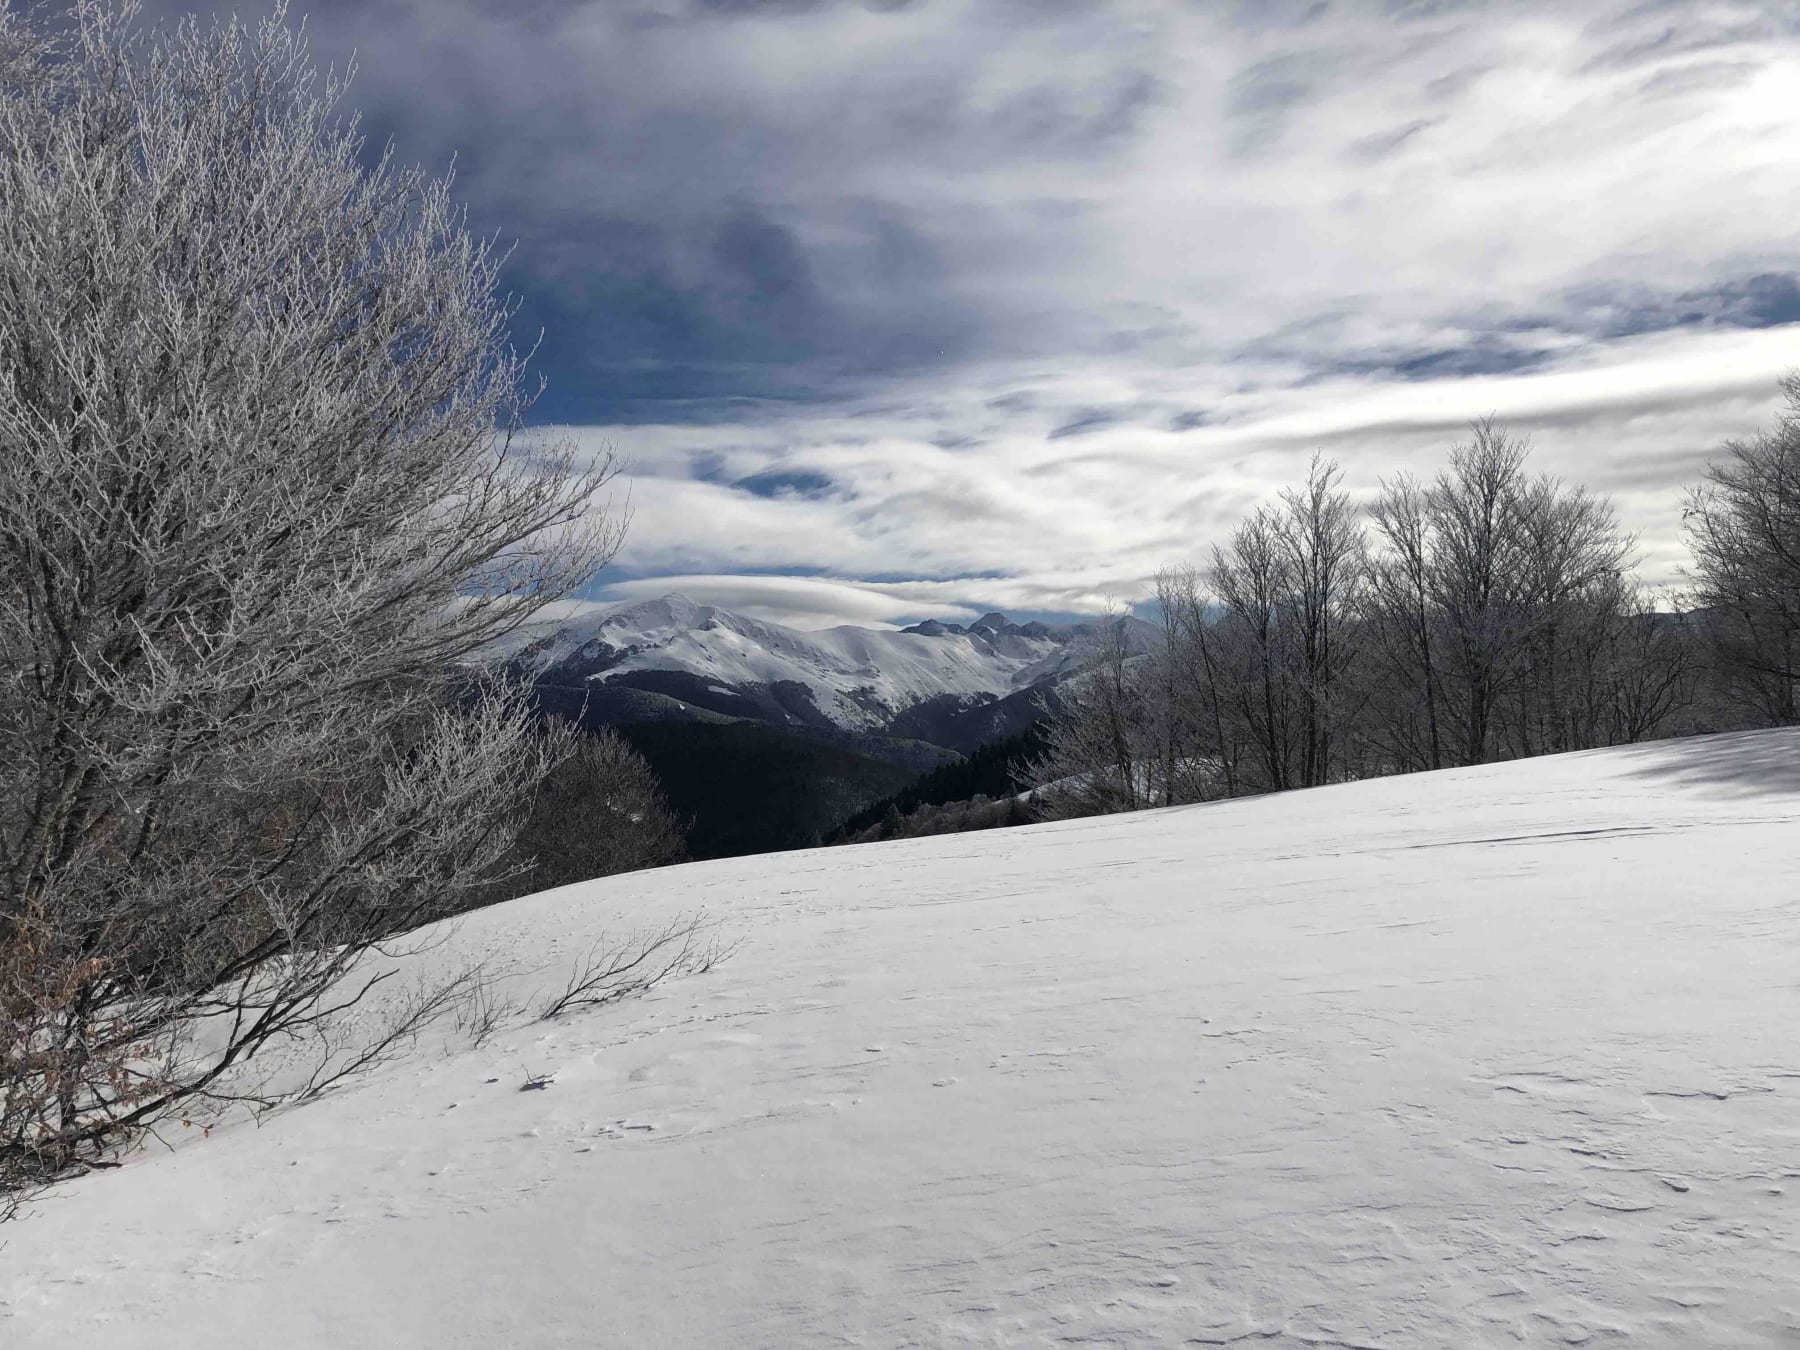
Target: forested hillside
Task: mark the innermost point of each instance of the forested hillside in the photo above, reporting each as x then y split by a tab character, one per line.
991	773
743	788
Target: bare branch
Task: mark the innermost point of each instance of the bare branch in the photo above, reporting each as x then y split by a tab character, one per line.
638	963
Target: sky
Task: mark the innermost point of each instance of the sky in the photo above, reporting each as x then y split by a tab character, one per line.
923	308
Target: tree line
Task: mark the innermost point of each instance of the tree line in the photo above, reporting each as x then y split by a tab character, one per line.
1486	613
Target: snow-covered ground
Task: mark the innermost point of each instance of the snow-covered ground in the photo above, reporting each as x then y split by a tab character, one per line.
1486	1057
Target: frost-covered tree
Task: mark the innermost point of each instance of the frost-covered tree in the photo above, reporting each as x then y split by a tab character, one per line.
261	489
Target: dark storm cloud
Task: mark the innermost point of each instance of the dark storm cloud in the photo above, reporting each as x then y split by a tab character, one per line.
722	205
689	186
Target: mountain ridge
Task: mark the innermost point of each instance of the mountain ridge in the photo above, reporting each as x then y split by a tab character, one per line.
920	682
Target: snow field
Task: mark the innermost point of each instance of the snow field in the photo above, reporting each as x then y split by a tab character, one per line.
1502	1056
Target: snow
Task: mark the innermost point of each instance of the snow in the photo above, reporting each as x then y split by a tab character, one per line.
860	677
1501	1056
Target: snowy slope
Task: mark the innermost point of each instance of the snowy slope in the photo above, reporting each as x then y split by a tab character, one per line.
1502	1056
860	677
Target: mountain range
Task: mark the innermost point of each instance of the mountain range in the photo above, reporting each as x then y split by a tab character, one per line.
944	685
765	737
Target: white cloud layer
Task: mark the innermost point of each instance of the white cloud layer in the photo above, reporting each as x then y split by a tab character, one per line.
1013	517
1010	302
1351	231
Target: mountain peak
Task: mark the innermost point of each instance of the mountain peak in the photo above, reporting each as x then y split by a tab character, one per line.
671	611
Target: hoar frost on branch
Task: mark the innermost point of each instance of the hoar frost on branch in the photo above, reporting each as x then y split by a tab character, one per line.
264	486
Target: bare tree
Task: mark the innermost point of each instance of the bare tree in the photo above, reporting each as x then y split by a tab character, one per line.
263	486
1478	563
1744	529
1100	755
1279	657
1401	609
1327	565
1624	671
1201	749
1572	592
1253	577
1472	603
635	964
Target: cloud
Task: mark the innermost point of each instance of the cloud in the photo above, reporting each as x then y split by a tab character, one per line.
803	602
1084	420
1023	299
717	205
1018	520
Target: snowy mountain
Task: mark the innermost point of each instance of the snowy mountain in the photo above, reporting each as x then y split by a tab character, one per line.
852	679
1495	1056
